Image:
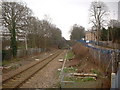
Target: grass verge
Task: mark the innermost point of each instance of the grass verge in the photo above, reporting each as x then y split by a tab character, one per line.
70	70
6	62
76	79
70	55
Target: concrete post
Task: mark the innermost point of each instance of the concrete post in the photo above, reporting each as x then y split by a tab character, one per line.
118	77
113	75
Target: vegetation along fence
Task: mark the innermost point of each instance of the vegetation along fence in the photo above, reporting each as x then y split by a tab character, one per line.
6	54
108	57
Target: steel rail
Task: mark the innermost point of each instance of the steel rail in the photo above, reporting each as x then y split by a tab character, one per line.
15	79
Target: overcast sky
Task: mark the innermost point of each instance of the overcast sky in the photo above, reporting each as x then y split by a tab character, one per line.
65	13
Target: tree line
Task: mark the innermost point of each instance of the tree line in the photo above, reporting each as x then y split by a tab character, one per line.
99	18
103	29
22	30
110	34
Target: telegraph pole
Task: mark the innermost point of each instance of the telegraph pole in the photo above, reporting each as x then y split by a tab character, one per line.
26	46
45	42
98	22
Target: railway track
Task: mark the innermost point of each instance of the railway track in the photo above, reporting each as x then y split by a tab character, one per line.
20	78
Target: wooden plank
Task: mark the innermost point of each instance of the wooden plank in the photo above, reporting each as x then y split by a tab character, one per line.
84	74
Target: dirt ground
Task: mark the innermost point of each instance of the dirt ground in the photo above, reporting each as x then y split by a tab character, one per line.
84	63
85	66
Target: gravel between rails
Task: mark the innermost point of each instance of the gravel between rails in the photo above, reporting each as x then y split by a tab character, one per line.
20	78
21	68
48	77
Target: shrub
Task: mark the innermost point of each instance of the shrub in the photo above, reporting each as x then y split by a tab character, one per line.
79	50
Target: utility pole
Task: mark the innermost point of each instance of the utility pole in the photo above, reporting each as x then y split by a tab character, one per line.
26	46
98	22
98	27
45	42
113	74
108	36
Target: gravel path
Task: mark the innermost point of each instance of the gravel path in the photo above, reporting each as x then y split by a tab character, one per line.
48	77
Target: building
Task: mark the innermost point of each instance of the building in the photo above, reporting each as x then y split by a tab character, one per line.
90	36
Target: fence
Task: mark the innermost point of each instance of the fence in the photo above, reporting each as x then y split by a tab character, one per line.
108	57
6	54
30	51
110	44
104	55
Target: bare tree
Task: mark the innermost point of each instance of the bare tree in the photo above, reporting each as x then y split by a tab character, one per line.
98	13
42	33
35	32
14	18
